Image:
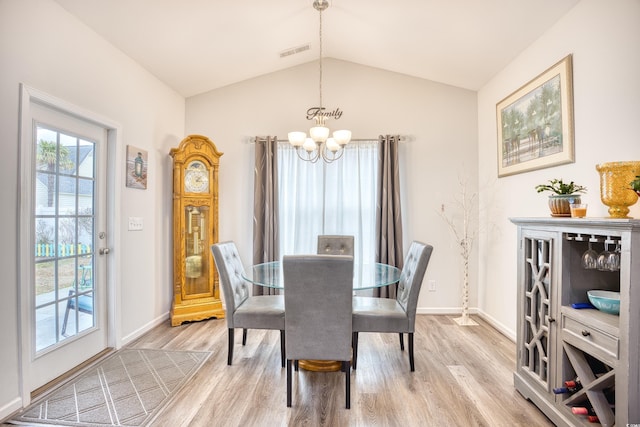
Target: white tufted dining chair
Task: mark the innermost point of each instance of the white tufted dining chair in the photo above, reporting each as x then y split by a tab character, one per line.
242	309
394	315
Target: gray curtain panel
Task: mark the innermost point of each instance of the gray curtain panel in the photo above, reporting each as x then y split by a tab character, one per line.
388	212
265	205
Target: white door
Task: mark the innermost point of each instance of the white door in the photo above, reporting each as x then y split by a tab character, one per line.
63	257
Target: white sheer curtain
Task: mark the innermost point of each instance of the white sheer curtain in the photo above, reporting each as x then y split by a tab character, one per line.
336	198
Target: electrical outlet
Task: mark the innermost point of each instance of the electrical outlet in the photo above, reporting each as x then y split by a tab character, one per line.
431	285
136	223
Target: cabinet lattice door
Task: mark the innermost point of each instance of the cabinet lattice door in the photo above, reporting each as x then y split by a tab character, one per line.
537	281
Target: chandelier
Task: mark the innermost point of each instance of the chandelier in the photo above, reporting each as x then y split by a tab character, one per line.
319	144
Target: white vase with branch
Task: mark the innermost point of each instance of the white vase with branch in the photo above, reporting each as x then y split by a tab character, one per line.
461	222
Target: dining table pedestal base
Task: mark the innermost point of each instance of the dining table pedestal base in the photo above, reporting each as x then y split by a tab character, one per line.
320	365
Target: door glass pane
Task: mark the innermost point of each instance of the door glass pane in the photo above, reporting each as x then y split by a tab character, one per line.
85	196
67	195
46	193
66	275
68	154
85	159
64	230
45	283
46	331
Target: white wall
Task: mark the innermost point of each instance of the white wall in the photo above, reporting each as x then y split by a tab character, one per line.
439	119
604	38
44	47
452	133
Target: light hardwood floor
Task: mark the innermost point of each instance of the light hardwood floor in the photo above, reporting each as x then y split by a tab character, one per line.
463	377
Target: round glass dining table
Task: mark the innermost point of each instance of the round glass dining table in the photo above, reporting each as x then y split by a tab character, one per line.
365	276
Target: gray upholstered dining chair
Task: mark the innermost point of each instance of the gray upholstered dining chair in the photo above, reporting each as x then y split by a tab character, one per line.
243	310
394	315
318	303
335	245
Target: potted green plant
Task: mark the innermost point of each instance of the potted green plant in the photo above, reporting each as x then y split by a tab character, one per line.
635	185
563	195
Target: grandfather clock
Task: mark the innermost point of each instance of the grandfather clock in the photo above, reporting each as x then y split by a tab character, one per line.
196	290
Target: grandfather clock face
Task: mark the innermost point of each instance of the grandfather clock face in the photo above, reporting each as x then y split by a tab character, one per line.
196	177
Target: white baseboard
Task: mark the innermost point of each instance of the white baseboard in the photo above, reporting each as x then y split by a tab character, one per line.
10	408
145	328
444	310
472	310
498	326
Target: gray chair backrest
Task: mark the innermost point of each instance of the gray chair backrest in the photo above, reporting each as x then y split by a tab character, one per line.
235	289
318	306
335	245
415	265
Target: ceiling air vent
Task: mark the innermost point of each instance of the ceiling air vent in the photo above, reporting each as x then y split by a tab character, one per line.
294	50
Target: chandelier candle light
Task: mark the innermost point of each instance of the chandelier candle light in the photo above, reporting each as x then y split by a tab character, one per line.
319	144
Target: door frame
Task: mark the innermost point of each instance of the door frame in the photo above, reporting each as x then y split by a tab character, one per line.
29	95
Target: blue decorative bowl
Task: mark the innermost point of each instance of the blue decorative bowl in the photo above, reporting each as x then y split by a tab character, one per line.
606	301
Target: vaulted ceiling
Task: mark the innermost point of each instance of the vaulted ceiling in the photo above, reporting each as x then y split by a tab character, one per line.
198	45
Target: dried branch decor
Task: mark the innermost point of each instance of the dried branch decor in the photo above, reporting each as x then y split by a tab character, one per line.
465	234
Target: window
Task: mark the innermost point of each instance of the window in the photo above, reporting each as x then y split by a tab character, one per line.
64	223
335	198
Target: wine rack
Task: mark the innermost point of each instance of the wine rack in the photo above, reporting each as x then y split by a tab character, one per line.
558	339
592	393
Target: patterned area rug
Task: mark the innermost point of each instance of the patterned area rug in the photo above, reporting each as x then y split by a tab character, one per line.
129	388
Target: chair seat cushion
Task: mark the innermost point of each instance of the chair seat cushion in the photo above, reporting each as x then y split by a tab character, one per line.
261	312
85	304
379	315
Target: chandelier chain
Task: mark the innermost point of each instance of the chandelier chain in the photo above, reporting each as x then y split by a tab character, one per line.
319	145
320	59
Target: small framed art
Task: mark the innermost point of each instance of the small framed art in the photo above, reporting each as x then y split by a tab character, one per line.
136	168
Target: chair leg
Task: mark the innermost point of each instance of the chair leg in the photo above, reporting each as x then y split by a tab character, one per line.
411	363
401	341
347	385
354	345
288	383
282	348
66	317
230	350
244	336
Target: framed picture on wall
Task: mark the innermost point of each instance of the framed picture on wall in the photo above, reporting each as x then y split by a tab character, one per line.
136	168
535	123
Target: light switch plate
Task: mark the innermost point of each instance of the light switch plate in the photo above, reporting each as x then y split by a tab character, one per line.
136	223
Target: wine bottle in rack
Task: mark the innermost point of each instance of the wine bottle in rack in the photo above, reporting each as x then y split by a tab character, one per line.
570	386
582	410
586	410
573	384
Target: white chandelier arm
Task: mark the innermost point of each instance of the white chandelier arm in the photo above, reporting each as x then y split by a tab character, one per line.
307	156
